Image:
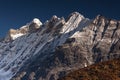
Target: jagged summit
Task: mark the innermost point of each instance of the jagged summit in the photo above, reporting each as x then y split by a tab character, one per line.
75	14
30	27
36	23
56	21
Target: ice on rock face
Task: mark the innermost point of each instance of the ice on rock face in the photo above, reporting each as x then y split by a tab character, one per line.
34	25
72	22
37	21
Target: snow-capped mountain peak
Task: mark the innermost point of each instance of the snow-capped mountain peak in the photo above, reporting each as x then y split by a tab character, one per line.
37	21
30	27
57	46
36	40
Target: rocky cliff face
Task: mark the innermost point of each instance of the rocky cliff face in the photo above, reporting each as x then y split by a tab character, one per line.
59	46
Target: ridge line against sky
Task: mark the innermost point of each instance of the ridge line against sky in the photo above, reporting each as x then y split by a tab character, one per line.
16	13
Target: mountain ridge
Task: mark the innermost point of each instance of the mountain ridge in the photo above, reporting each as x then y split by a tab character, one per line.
51	50
29	27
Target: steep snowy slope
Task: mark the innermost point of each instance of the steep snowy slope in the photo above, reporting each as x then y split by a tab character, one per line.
50	50
84	43
34	39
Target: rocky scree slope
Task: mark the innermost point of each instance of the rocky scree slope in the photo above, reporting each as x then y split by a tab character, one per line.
51	50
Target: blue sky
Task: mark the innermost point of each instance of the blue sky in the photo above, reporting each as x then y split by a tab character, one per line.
16	13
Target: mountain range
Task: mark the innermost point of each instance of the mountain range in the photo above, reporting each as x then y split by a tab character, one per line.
51	50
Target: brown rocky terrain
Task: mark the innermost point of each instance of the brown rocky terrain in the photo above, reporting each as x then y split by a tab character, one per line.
108	70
